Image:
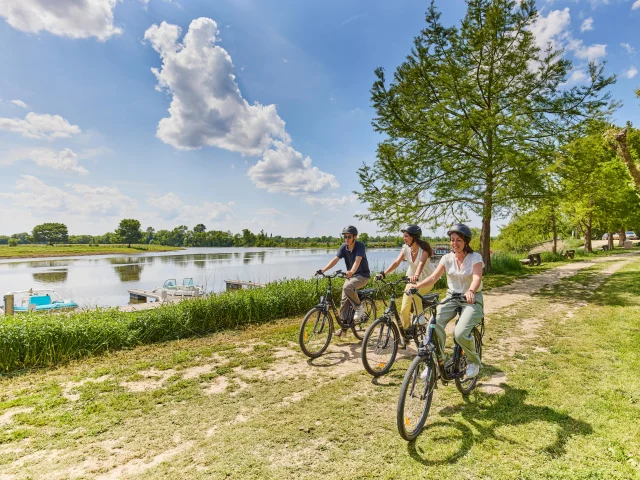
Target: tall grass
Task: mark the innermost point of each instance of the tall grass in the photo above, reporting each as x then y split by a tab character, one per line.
506	263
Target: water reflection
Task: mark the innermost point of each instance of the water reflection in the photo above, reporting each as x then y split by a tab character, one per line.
53	276
129	273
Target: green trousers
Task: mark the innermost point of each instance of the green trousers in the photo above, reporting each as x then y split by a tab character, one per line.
469	317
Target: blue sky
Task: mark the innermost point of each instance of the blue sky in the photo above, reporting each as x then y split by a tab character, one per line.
255	115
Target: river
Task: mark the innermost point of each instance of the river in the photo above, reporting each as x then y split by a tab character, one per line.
103	280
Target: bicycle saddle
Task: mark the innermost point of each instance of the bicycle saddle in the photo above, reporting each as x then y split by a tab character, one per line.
366	292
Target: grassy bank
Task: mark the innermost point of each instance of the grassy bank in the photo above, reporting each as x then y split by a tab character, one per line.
246	404
64	250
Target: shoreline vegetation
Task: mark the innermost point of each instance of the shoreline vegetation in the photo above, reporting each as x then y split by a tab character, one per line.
72	250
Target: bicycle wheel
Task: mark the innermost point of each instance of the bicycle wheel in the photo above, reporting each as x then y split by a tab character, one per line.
465	384
315	332
380	346
360	326
415	397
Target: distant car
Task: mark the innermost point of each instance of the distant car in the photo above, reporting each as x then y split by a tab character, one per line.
616	236
631	235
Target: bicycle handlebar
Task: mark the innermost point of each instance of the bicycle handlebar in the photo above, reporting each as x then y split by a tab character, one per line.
403	279
338	273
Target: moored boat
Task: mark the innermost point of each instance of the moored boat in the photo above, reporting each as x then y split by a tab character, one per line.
40	300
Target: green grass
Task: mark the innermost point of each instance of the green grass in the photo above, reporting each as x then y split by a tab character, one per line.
569	408
64	250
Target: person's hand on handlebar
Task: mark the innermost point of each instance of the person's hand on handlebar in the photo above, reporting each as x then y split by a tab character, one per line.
380	276
470	296
319	272
413	279
348	274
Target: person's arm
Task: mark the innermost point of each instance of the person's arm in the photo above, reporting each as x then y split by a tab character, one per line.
331	264
354	267
433	278
470	295
423	260
395	264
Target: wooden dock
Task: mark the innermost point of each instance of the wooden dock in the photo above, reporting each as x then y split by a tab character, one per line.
239	284
161	295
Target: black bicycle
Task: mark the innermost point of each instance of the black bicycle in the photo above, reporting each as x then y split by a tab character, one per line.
380	343
317	326
422	376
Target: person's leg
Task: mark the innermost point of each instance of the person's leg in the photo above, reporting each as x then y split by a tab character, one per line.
350	295
407	304
469	318
445	313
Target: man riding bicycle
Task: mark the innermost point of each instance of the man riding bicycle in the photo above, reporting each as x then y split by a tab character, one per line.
355	258
464	276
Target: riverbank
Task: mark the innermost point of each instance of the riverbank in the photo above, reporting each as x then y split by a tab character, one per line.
64	250
554	400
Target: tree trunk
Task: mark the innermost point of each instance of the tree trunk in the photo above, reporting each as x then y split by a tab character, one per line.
623	237
587	236
625	154
554	249
610	241
485	235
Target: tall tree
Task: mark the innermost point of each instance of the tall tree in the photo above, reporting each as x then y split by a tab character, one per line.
50	233
471	117
129	231
626	142
200	228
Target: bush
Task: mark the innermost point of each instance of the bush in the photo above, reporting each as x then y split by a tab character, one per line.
13	242
505	263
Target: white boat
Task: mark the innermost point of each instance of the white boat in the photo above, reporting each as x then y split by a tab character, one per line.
187	289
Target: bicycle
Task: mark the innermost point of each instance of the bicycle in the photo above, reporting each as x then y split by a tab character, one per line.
380	343
416	392
317	325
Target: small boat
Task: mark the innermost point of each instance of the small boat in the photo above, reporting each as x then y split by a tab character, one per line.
41	300
440	250
187	289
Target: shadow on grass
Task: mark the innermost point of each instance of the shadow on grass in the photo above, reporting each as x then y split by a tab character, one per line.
484	418
620	290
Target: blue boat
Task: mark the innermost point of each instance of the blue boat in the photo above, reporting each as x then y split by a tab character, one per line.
42	300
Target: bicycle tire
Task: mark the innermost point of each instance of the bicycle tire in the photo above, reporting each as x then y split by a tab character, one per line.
465	387
358	328
381	330
322	325
412	389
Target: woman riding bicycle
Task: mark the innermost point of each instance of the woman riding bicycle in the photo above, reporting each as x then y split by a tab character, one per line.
464	276
417	254
357	274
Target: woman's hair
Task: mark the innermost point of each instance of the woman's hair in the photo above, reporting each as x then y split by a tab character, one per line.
423	245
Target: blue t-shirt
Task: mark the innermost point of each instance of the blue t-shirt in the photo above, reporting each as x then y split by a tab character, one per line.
350	258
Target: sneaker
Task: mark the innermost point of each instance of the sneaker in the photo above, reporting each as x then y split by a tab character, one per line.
339	332
410	332
359	313
472	370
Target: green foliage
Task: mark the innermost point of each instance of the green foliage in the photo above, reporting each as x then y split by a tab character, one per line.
50	233
457	142
129	231
13	242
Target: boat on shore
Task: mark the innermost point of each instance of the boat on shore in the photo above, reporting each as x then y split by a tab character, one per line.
187	289
40	300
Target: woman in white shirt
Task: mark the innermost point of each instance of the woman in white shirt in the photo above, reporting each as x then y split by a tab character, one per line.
417	253
464	275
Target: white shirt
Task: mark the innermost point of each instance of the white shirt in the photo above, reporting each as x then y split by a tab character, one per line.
459	279
427	269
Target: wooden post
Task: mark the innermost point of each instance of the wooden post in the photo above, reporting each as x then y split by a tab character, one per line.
8	304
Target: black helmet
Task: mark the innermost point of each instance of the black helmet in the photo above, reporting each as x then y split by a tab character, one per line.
412	230
461	229
350	229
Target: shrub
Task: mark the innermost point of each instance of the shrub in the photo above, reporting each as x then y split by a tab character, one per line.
13	242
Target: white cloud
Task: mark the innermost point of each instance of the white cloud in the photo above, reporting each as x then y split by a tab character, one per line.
587	25
630	72
269	211
35	195
65	18
207	108
283	169
19	103
65	160
635	5
595	3
40	126
591	53
332	203
171	207
577	76
630	50
552	29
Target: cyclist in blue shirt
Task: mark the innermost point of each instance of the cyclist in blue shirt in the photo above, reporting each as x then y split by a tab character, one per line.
358	273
